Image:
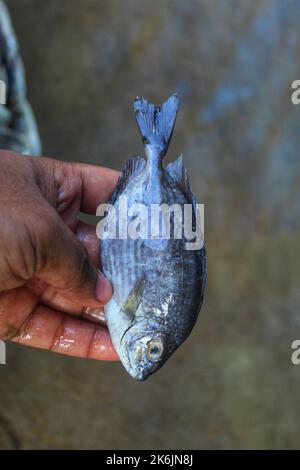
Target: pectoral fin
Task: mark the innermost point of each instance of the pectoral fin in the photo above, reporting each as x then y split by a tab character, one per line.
134	298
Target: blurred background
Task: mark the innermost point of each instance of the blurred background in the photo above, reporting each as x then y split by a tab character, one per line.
232	383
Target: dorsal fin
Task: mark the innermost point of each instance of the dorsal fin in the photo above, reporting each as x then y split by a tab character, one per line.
177	171
132	168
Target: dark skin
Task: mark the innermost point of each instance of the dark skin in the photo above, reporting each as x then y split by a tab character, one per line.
51	292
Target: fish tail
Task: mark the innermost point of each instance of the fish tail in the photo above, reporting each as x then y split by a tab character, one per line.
156	123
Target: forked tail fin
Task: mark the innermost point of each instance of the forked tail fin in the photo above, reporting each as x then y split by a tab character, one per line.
156	123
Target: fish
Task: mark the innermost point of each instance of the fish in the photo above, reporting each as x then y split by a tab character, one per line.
158	284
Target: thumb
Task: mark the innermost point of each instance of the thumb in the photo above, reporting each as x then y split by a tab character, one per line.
67	267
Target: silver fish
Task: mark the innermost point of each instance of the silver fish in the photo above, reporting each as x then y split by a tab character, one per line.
158	283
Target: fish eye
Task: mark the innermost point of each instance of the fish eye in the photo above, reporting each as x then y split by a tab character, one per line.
154	349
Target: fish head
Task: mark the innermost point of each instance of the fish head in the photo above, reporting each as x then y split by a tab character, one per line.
143	349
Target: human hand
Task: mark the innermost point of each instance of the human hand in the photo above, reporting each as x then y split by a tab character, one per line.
49	285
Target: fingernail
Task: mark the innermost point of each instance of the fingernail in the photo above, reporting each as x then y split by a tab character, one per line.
94	314
104	288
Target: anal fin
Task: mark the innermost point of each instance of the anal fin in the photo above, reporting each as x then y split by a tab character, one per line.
177	171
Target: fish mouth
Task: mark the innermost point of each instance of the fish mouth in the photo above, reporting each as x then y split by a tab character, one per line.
137	372
144	374
133	354
140	376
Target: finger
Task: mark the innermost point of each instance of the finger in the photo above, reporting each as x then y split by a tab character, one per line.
55	299
62	183
97	185
52	330
87	236
15	306
66	266
94	315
